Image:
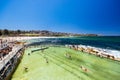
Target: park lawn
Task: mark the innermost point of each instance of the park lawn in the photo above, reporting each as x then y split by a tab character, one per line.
59	67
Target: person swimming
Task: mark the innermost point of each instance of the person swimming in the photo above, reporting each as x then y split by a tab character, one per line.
84	69
28	53
26	69
46	60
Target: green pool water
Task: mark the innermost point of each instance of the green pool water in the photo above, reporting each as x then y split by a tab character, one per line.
59	67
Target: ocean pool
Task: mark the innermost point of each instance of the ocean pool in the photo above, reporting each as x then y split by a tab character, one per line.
59	67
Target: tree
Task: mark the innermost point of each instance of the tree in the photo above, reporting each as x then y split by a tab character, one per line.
5	32
0	32
18	31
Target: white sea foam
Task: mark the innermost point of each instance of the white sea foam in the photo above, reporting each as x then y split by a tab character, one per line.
114	53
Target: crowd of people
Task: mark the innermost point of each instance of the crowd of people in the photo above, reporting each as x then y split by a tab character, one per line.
5	48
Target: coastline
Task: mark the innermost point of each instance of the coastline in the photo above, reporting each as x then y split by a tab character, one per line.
96	50
50	52
26	38
106	53
114	53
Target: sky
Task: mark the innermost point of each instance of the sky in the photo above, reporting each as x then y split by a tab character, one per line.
76	16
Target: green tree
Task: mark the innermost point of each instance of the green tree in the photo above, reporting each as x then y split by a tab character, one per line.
6	32
0	32
18	31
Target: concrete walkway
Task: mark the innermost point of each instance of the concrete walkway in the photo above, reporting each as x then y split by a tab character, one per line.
5	60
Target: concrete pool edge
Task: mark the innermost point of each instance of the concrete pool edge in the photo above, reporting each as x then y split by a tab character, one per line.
15	67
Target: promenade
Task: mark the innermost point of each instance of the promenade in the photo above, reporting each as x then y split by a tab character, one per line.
6	59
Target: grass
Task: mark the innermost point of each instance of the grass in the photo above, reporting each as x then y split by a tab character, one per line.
59	67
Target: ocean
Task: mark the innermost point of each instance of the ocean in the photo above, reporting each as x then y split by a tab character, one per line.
105	42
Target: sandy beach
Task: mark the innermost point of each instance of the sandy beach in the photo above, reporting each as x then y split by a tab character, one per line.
23	38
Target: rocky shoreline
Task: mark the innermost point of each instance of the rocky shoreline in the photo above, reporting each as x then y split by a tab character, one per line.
110	54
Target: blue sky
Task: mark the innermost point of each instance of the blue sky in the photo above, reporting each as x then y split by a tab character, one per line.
77	16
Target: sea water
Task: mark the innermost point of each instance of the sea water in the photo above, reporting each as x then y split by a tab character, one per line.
106	42
109	43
